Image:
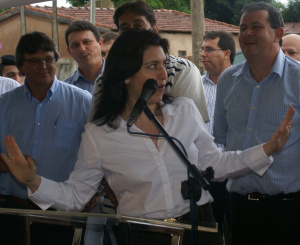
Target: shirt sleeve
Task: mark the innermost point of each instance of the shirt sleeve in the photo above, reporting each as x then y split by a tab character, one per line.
220	123
228	164
82	184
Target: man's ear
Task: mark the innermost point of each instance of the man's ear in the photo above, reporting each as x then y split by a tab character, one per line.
101	43
278	34
155	28
227	54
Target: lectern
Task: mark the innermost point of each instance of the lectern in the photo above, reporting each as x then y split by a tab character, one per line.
79	219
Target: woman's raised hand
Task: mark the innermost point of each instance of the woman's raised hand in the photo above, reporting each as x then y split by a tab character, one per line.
23	169
280	136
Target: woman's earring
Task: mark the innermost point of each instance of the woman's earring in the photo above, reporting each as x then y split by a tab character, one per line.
127	81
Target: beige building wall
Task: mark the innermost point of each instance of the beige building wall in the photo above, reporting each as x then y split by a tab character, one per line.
10	30
183	42
10	34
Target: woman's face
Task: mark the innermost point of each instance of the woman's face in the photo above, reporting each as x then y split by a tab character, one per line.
153	66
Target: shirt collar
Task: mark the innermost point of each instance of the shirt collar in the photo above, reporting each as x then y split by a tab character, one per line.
277	67
206	78
78	74
50	92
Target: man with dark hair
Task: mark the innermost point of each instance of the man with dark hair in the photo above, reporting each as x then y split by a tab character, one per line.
84	45
252	97
217	54
184	78
9	69
108	39
47	117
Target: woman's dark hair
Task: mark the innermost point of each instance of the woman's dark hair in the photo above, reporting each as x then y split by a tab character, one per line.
123	61
31	43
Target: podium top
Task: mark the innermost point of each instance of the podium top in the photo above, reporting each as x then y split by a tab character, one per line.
79	218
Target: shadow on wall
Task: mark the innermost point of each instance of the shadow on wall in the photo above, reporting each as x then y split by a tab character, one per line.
65	67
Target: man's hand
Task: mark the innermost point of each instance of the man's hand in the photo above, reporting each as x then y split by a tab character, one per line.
22	169
279	138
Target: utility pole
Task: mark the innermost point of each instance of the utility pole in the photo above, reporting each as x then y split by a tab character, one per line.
23	20
92	11
54	23
198	31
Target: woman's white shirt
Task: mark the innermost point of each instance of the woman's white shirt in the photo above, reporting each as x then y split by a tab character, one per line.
147	180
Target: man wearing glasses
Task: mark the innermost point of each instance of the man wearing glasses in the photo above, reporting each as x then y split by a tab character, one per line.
47	117
217	54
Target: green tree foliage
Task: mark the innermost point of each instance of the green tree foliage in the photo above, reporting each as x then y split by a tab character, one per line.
292	12
229	11
77	3
2	10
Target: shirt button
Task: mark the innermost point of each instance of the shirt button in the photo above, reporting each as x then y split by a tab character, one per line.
250	129
257	86
39	124
40	105
36	142
253	107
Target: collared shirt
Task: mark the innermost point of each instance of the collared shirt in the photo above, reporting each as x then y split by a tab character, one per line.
184	80
49	131
7	84
210	89
146	179
78	80
248	113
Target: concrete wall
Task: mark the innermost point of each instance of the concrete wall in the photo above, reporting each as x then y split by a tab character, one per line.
183	42
10	30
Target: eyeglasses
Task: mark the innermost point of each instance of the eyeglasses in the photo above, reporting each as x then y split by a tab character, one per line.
34	61
209	50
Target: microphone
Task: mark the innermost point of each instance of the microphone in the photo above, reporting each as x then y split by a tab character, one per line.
148	90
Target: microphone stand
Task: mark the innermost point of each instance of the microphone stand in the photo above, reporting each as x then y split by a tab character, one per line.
190	189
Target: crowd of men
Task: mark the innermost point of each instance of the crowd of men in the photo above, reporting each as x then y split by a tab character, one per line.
241	104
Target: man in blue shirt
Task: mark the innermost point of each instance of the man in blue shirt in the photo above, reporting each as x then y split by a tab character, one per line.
47	117
84	45
252	97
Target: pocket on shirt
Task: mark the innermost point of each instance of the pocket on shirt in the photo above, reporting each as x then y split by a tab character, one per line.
66	135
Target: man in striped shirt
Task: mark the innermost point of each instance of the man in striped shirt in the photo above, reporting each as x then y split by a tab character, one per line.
217	54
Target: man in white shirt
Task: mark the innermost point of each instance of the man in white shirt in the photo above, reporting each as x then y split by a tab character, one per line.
217	54
7	84
9	69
